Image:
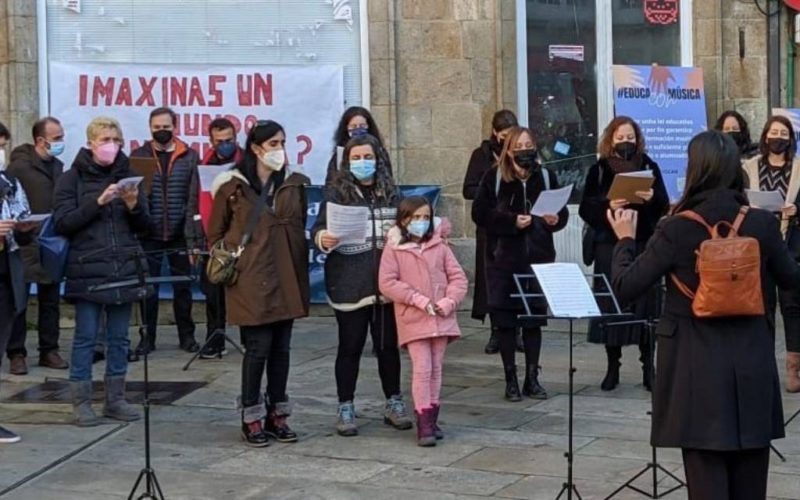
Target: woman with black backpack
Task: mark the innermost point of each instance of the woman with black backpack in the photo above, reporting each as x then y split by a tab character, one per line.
621	150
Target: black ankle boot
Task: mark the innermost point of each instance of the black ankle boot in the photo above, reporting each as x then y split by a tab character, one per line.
493	345
531	388
512	384
611	380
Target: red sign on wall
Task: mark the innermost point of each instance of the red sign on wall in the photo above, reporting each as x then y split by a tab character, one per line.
661	11
793	4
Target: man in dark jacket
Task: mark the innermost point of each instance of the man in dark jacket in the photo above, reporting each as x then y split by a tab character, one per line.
225	150
173	204
37	168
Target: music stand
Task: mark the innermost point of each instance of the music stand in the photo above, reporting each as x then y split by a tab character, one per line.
148	474
519	279
217	332
654	466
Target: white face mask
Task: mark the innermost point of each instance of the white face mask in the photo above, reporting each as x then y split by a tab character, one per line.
2	159
274	159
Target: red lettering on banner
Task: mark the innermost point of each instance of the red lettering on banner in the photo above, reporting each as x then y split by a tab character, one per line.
177	88
83	84
301	155
124	94
214	92
191	124
196	93
103	90
146	96
254	89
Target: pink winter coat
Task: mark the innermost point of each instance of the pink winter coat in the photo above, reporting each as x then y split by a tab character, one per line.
414	275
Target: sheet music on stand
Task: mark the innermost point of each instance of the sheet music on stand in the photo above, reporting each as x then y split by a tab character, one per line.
566	290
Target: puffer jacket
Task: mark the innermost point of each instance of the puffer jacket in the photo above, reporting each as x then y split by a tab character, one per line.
173	199
103	245
414	275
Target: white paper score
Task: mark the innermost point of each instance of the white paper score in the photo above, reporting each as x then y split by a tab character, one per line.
566	290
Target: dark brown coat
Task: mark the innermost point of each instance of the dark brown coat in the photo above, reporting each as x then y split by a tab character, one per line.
717	384
273	269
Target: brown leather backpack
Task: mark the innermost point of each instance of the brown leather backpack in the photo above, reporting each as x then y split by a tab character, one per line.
730	272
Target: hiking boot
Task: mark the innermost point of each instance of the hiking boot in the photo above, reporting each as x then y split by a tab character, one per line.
53	360
116	406
253	434
82	403
395	414
276	425
512	384
493	345
8	437
531	387
346	423
437	431
425	433
18	365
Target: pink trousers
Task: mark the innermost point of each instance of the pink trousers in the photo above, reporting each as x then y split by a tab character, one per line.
427	356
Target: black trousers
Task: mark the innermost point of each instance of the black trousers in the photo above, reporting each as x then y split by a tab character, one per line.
182	299
726	475
215	306
266	351
531	340
353	327
6	311
48	297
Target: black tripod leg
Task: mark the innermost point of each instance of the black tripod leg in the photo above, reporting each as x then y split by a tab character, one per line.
136	485
775	450
794	416
200	351
234	344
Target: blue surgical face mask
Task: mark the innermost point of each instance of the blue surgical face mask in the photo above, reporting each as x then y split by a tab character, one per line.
419	228
363	170
226	150
358	132
56	148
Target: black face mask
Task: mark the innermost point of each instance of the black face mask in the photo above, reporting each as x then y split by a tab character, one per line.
527	159
625	150
162	136
778	146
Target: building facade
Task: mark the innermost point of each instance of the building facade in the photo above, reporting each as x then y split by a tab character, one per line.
434	71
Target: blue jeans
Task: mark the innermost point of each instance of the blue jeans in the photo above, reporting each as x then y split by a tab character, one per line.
87	322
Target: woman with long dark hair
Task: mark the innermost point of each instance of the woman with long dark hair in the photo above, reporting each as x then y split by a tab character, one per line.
515	240
733	123
482	160
272	288
351	280
717	393
356	122
776	168
622	150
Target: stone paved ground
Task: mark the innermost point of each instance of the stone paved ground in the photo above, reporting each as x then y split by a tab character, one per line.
493	448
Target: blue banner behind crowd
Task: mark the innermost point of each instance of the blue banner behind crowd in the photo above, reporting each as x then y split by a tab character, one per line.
793	115
316	259
669	104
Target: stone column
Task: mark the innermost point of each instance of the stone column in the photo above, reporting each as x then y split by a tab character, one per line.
19	91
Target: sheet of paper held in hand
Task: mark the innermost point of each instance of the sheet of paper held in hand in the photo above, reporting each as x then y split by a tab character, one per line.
766	200
551	201
207	174
347	223
129	183
566	290
34	218
625	186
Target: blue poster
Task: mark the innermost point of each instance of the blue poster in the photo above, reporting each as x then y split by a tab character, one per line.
669	104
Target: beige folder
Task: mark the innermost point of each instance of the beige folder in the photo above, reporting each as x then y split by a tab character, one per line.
625	186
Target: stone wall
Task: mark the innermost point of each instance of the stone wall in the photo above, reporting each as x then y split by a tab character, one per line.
731	82
19	95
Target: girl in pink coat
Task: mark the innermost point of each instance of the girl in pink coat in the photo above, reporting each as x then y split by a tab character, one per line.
420	274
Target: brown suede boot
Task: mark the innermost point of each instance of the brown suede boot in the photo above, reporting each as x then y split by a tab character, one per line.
793	372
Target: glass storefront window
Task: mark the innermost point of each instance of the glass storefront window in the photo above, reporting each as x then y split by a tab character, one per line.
646	32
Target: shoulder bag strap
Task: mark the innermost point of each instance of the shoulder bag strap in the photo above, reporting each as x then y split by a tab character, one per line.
255	215
693	216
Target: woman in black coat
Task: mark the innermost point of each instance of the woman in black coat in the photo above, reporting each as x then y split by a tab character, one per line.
481	161
717	394
356	121
515	240
621	150
733	123
101	220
